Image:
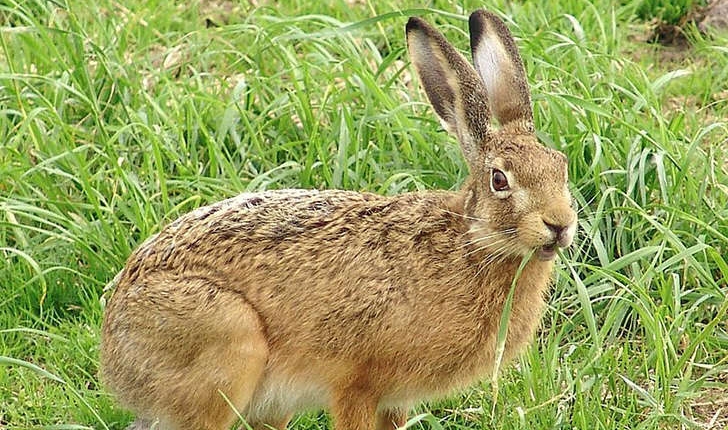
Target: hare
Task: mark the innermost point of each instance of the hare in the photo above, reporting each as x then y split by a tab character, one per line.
271	303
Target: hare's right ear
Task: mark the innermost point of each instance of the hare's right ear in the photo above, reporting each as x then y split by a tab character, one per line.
453	86
496	59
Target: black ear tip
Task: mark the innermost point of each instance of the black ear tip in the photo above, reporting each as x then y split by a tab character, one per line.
415	23
483	15
476	23
478	14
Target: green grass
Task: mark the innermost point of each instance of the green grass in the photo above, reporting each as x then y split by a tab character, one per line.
116	120
675	12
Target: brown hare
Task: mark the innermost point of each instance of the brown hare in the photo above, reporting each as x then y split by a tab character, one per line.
277	302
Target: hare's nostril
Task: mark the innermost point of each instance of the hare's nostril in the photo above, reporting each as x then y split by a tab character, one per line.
563	234
558	230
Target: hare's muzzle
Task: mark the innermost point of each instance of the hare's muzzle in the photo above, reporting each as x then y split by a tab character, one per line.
562	236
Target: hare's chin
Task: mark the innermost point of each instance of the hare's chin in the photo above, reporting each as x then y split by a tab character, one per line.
546	252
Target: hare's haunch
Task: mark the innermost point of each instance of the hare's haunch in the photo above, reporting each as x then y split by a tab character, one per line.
283	301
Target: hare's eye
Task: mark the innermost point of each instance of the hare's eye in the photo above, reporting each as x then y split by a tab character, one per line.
498	181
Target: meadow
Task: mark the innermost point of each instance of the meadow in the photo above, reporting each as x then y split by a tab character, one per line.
117	116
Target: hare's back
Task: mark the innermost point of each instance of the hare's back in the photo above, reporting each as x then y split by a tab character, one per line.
267	216
222	234
282	213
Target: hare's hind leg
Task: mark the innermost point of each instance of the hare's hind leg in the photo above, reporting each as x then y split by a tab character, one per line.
222	380
184	352
227	368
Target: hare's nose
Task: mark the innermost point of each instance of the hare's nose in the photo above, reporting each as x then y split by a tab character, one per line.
562	234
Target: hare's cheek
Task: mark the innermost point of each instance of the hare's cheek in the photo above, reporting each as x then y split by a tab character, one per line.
531	230
520	201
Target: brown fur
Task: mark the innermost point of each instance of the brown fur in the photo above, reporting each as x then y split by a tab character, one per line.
290	300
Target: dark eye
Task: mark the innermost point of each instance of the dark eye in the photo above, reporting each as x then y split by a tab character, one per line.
498	180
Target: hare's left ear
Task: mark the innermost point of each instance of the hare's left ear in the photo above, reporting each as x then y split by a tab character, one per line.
453	87
496	59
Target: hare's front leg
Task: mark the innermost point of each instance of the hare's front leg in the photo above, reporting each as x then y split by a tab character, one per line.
391	418
270	423
354	408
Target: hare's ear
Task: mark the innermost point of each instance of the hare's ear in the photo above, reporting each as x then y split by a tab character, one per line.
452	85
496	59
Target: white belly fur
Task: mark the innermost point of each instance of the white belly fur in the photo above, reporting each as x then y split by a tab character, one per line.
279	395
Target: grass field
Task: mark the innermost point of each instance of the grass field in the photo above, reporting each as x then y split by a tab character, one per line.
118	116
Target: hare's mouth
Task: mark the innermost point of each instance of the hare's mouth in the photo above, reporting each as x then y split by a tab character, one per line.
547	252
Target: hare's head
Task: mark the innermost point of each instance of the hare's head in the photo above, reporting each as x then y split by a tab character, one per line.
517	198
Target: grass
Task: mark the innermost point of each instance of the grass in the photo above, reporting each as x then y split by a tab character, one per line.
118	118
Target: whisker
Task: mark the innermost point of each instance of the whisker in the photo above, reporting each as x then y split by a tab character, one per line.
497	242
504	250
498	259
509	247
493	232
487	237
461	215
496	234
481	246
473	230
497	256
